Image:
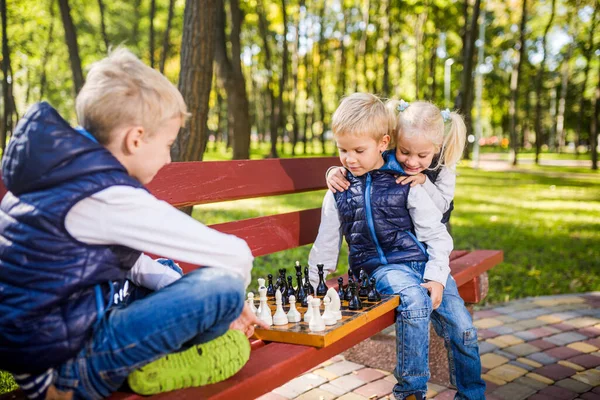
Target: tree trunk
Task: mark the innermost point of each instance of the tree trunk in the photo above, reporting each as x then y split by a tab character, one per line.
195	78
295	67
7	115
46	56
362	46
514	86
538	89
387	39
421	18
166	45
71	39
151	41
587	54
432	66
264	33
318	78
103	25
343	58
595	124
281	117
464	99
137	10
232	78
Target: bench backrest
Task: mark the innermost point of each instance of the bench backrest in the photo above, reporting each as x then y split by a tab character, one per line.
190	183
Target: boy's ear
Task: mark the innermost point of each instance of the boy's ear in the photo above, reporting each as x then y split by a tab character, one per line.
133	138
384	143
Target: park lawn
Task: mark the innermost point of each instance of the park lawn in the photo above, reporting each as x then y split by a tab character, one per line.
545	219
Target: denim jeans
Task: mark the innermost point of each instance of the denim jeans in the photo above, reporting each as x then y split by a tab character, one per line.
451	321
195	309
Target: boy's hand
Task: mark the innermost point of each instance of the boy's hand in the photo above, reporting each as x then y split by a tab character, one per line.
436	291
336	180
246	321
417	179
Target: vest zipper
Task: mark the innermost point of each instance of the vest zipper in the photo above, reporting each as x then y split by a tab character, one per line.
370	221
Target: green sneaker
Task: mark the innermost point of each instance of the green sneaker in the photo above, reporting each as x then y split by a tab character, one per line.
199	365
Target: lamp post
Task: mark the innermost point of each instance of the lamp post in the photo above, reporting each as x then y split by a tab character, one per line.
447	77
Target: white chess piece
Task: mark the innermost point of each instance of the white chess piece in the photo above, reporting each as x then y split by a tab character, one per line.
308	313
261	284
279	318
293	315
250	302
316	323
265	311
328	317
336	303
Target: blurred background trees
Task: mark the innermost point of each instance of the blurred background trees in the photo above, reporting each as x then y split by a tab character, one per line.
525	73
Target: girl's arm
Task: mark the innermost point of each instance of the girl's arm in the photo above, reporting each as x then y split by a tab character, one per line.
442	191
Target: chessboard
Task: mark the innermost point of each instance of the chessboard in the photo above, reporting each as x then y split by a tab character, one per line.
299	333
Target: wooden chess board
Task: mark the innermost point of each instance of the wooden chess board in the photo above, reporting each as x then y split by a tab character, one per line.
299	333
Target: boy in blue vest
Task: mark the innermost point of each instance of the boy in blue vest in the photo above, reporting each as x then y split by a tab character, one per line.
82	308
395	234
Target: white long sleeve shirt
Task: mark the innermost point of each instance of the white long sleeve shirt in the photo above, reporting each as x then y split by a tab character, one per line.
426	219
442	191
134	218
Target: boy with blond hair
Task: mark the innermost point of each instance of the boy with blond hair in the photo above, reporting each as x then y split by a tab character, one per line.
395	234
81	306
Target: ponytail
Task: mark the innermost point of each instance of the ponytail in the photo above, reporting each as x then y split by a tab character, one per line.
454	141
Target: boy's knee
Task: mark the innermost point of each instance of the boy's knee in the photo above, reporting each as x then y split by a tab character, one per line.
415	302
216	285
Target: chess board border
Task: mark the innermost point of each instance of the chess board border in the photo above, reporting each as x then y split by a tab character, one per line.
332	333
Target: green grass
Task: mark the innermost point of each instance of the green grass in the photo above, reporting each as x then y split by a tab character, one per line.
545	219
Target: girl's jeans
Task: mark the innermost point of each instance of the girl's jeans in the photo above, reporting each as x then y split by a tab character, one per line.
194	309
451	321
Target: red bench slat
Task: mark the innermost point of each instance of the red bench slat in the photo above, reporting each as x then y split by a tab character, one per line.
188	183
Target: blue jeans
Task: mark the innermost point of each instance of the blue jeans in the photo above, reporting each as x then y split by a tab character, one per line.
195	309
451	321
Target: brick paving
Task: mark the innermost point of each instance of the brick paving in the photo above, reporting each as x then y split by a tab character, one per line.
536	348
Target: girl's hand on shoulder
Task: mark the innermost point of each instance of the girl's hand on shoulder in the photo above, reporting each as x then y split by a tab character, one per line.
436	291
336	180
414	180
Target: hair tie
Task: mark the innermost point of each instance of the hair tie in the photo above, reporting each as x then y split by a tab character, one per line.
446	115
402	106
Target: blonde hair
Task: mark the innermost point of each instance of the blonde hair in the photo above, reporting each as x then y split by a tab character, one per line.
120	90
424	118
361	114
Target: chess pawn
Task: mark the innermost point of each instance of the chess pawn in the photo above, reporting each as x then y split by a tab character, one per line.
341	292
354	303
270	287
321	287
364	284
279	318
308	287
373	293
308	313
300	293
250	302
328	317
293	315
316	323
348	292
265	311
336	303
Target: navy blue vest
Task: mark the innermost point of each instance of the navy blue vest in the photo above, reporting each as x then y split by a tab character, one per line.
53	289
375	220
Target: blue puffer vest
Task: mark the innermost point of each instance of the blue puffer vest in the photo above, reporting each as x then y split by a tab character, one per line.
375	219
53	289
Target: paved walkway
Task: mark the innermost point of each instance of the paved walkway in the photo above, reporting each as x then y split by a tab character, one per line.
535	348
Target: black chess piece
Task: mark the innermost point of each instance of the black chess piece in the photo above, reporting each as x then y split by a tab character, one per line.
290	285
354	303
300	293
364	284
348	293
321	287
308	287
298	267
373	293
284	286
341	292
270	287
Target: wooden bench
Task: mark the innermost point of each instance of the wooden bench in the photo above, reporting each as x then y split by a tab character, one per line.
273	364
